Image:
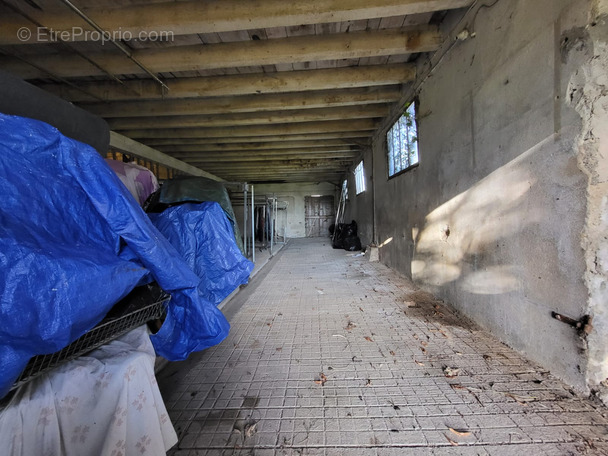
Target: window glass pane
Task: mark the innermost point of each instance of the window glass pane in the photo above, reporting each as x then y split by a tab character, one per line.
390	146
402	142
403	152
399	145
359	179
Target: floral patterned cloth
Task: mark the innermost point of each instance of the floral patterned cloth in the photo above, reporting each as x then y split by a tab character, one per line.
105	403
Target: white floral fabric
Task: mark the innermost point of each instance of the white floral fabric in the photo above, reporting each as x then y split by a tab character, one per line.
105	403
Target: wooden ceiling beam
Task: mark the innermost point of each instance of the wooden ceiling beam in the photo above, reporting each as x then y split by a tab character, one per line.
309	175
228	55
256	156
292	163
245	103
261	174
184	18
209	157
375	110
187	156
334	178
127	145
238	84
252	147
283	169
349	137
282	172
303	128
247	175
261	143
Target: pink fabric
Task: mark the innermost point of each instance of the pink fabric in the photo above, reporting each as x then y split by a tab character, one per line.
140	181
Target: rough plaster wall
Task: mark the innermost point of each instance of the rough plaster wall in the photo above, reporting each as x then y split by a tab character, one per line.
586	49
492	217
293	195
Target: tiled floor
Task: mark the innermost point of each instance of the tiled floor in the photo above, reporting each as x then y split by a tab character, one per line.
330	354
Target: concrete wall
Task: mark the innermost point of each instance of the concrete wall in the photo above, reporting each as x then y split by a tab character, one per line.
290	222
357	205
586	52
492	218
20	98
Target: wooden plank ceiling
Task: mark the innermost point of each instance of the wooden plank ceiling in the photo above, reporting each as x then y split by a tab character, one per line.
258	91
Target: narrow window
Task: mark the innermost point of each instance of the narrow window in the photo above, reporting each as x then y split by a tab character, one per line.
359	178
402	142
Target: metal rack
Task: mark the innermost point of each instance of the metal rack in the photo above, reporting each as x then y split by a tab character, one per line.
139	307
244	195
274	206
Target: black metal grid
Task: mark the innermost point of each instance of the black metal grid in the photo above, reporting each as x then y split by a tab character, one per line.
109	329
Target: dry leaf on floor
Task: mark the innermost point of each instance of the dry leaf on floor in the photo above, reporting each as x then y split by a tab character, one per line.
459	432
350	325
458	386
451	372
418	362
451	441
424	344
250	429
279	349
368	382
520	399
369	339
392	353
321	380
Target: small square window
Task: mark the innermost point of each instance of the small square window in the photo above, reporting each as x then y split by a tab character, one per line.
359	178
402	142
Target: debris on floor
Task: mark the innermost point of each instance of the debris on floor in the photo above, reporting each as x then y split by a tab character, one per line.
394	380
321	380
451	372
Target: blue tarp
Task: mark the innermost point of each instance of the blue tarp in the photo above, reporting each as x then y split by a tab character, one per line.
197	189
73	242
203	235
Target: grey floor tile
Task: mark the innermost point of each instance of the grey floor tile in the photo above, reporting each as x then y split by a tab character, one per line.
326	358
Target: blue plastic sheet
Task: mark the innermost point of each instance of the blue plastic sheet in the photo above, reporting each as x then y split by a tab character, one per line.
203	235
197	189
73	241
